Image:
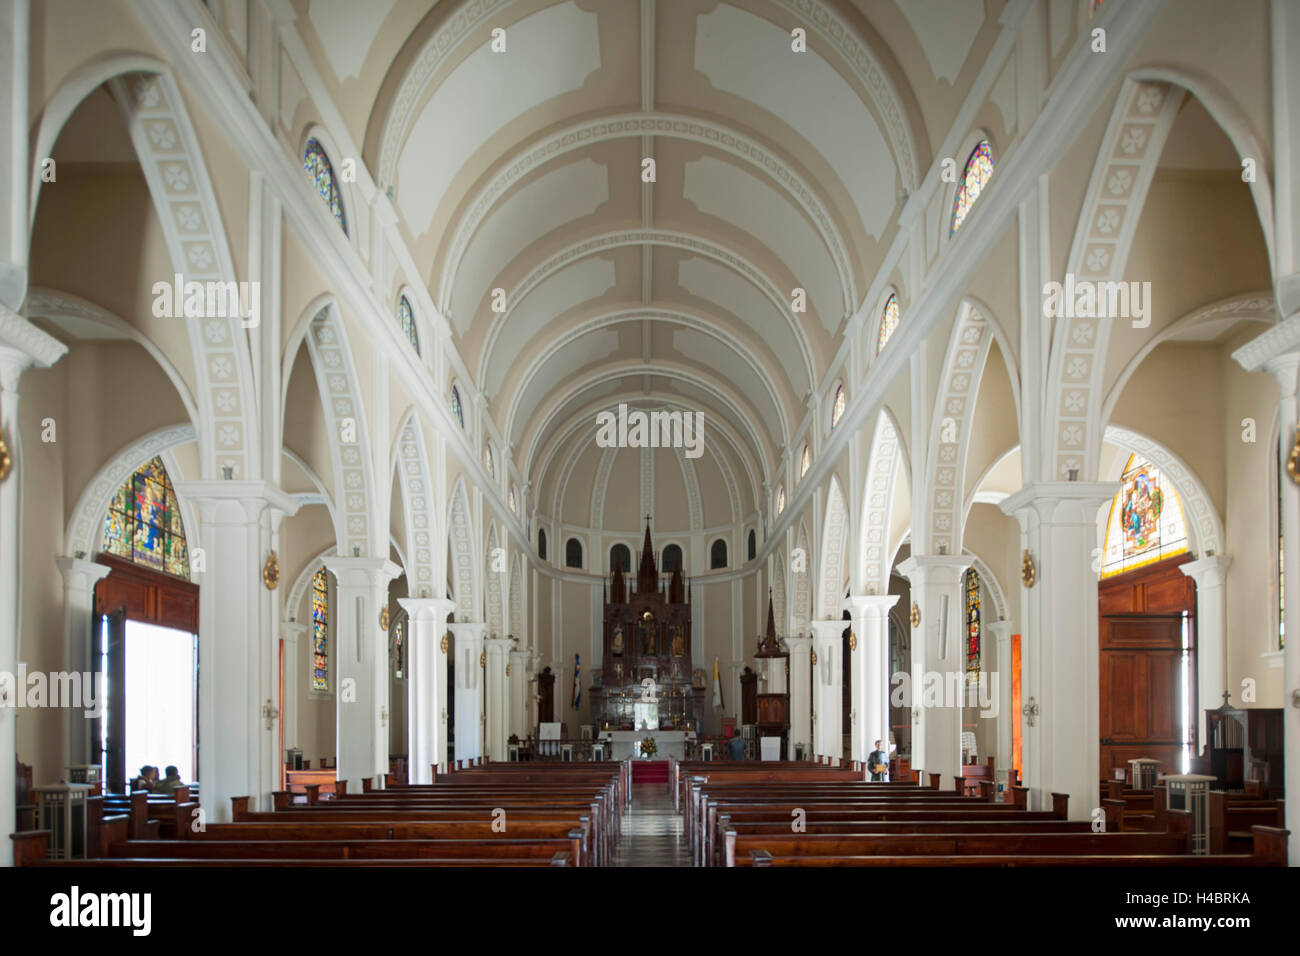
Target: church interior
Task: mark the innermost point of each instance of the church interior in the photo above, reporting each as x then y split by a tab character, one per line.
381	439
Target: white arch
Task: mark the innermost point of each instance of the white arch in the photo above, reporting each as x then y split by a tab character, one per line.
516	627
778	595
461	541
883	466
1204	527
411	461
834	550
494	591
801	611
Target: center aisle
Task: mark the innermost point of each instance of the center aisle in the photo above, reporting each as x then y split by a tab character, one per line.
652	831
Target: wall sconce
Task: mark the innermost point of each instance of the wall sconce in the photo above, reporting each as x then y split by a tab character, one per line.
228	472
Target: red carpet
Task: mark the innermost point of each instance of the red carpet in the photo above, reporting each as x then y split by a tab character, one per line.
649	771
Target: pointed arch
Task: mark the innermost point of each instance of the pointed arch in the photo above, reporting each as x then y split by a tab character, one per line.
801	583
516	627
461	543
831	567
883	466
494	573
778	595
954	412
415	478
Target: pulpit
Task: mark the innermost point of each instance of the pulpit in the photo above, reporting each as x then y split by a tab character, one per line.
773	709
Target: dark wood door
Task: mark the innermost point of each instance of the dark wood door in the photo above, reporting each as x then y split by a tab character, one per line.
546	691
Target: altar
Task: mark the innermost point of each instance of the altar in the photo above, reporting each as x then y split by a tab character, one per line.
627	743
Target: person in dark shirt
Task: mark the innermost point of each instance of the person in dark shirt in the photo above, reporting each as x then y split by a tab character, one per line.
170	782
878	763
736	747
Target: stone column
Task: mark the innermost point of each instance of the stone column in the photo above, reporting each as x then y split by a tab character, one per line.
1210	573
800	649
237	680
828	688
517	684
469	688
426	663
869	672
1277	352
79	579
21	346
1060	660
938	689
360	666
496	699
291	632
1001	631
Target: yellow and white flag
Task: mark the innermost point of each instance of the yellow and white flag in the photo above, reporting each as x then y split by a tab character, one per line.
717	687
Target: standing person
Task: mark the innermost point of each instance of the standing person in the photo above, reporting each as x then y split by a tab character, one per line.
736	747
878	763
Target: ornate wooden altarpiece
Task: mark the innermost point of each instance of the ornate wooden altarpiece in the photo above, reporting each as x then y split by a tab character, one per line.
646	644
774	709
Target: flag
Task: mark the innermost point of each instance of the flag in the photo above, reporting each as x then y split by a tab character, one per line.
717	688
577	683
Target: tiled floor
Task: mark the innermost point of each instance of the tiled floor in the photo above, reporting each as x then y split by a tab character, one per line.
652	832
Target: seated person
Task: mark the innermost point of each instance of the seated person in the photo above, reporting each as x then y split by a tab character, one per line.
736	748
147	779
170	782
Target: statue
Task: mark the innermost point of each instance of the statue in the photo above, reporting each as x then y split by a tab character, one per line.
616	644
648	633
679	642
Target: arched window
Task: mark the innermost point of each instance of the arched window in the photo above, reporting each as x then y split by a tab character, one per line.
620	556
972	625
489	461
805	460
780	499
541	543
718	555
320	631
888	322
837	406
672	559
979	167
456	410
573	553
321	173
143	523
406	318
752	548
1146	520
513	501
399	645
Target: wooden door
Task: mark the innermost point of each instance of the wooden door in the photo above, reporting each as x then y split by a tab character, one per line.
546	691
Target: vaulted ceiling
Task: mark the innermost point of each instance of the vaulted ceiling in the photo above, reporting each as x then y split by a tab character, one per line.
522	171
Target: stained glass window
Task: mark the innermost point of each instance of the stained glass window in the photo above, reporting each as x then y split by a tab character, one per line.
837	407
321	173
320	631
1146	520
399	647
489	461
888	322
972	624
805	461
143	523
407	319
979	167
780	499
456	407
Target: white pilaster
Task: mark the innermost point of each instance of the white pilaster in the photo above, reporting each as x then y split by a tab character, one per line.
469	688
869	672
828	688
1060	662
1210	573
517	687
800	649
496	700
291	633
239	747
938	683
361	666
427	678
1001	631
79	579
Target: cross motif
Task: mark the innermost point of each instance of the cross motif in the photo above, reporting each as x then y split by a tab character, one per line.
270	713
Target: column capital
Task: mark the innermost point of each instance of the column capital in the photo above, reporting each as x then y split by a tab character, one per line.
360	572
497	645
80	571
1001	631
254	496
798	645
22	345
934	568
420	609
1060	502
828	630
1276	351
292	630
870	604
470	630
1208	572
